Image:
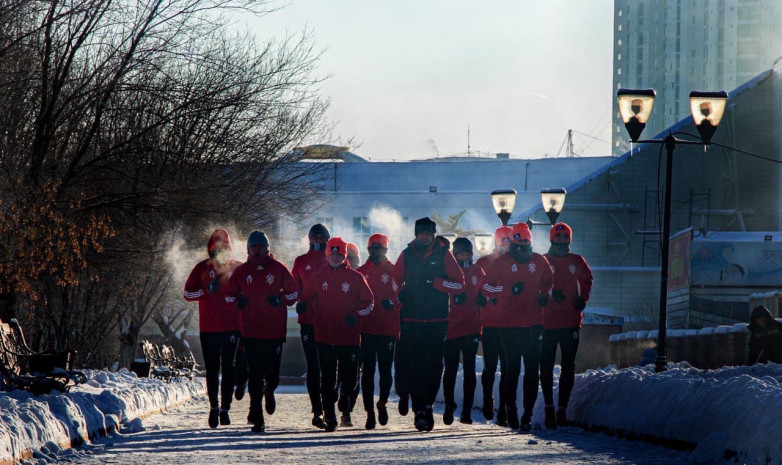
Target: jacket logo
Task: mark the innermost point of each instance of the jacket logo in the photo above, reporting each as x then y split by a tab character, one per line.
279	350
325	286
308	267
572	269
474	280
384	278
270	278
249	279
514	268
531	267
390	346
260	268
345	287
212	273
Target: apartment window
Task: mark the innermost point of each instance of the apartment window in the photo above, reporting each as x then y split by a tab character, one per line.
619	27
360	230
619	42
619	57
619	71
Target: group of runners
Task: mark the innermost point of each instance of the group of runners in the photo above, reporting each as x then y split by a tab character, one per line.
415	318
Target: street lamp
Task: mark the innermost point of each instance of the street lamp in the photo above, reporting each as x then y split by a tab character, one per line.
483	242
503	200
635	106
553	199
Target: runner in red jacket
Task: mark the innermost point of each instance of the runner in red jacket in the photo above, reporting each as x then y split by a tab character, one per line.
379	329
337	297
522	281
262	288
492	346
303	268
464	334
346	405
218	323
562	321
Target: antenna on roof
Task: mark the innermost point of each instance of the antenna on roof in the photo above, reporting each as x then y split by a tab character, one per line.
468	140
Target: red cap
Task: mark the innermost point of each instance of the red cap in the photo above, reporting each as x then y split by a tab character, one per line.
502	235
559	228
381	239
353	248
337	245
521	231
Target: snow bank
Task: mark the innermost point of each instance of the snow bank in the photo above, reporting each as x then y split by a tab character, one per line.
32	425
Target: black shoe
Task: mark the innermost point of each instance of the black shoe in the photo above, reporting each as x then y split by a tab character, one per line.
466	417
513	418
502	416
345	421
214	417
448	415
317	422
420	421
254	417
239	391
331	424
259	427
225	420
404	404
370	424
429	418
525	427
488	407
382	414
343	404
271	402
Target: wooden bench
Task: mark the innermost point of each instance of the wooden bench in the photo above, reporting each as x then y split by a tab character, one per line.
165	364
37	372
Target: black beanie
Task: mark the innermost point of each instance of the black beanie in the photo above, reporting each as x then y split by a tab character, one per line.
257	238
425	224
319	229
462	244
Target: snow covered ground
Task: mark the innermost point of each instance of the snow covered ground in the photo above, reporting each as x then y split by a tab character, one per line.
734	409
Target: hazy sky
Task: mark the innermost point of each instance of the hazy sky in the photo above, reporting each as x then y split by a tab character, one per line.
408	77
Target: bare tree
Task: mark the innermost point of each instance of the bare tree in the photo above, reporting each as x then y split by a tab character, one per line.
129	119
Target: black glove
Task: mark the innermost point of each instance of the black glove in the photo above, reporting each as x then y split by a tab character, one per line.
459	299
404	296
301	307
350	320
493	301
481	300
214	285
242	301
543	299
557	295
388	304
581	303
518	288
274	300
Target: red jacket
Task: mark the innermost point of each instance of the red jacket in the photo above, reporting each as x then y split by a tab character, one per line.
490	314
465	318
522	310
256	280
303	268
333	294
381	322
573	277
214	314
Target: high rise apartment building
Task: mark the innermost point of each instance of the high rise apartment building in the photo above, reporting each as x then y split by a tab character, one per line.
675	46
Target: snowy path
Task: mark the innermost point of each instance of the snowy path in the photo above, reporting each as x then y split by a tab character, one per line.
180	436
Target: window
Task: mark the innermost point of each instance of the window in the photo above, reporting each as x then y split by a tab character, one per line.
360	230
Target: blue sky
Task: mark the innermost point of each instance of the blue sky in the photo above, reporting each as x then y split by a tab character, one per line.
408	78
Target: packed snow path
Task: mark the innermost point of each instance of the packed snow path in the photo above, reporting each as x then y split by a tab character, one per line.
181	436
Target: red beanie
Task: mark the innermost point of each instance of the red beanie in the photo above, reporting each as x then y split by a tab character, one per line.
381	239
559	228
336	245
219	236
502	235
521	231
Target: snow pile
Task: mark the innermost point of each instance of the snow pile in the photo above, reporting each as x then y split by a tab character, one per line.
43	425
730	409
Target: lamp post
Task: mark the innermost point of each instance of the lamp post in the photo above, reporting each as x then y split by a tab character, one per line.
483	242
503	200
635	106
553	199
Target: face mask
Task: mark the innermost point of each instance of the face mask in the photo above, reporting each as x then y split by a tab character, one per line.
521	253
317	246
465	263
377	254
559	250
